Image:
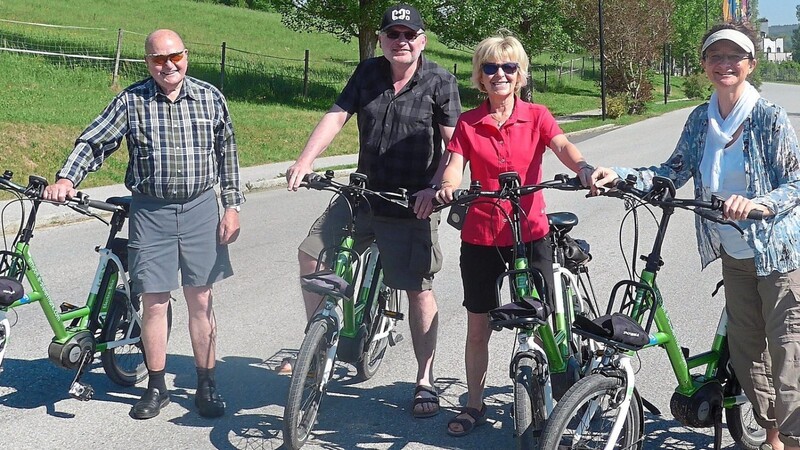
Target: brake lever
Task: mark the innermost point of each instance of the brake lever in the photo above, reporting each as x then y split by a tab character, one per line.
718	219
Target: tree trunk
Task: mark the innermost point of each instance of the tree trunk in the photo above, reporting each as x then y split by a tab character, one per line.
367	41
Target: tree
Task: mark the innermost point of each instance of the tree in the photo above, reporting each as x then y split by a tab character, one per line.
345	19
633	46
541	25
796	38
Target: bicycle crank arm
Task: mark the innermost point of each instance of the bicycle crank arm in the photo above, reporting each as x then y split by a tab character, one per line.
78	389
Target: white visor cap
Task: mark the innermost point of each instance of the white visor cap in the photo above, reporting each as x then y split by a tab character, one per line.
737	37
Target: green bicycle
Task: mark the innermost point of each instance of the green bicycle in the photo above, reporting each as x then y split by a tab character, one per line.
108	323
548	357
604	409
355	327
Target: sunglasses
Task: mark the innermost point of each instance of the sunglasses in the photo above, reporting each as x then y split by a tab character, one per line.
508	68
162	59
409	35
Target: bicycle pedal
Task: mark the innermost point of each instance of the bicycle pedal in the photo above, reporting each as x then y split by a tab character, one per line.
393	314
67	307
395	338
81	391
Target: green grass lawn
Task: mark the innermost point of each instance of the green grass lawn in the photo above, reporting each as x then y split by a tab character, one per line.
46	101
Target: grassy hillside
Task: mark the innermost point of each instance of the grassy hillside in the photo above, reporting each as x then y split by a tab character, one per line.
46	102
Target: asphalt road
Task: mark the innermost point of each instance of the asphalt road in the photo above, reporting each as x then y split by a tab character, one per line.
259	314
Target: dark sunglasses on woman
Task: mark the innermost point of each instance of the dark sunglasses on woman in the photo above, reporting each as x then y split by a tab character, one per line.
508	68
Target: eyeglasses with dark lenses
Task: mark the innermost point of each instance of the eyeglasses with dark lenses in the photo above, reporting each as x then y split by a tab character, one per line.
409	35
508	68
162	59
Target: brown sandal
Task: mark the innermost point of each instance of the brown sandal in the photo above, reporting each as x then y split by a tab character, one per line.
425	400
467	425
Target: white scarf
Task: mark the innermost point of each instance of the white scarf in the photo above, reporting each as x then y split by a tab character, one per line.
720	132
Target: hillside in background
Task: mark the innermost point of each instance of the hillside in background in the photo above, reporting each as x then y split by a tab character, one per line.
784	31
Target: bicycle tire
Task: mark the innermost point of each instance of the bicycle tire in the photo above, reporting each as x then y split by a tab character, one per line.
125	365
741	423
5	333
529	407
373	355
571	411
305	392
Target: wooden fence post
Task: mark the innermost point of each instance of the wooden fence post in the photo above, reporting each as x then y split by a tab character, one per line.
115	75
305	74
222	69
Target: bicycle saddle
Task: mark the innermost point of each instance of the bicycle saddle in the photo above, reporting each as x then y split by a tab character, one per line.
528	312
562	221
11	290
614	328
325	282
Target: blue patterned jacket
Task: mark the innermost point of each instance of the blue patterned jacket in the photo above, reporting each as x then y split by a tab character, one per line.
772	174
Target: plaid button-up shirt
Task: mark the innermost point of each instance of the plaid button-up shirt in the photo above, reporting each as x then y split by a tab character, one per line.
399	136
177	150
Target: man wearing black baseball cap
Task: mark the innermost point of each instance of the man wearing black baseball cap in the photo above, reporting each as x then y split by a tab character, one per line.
402	15
407	108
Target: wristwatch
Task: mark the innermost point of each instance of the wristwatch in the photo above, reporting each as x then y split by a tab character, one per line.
435	187
236	208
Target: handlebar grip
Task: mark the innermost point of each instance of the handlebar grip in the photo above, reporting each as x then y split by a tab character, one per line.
311	177
755	214
84	200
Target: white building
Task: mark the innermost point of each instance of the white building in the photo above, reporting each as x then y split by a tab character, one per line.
773	48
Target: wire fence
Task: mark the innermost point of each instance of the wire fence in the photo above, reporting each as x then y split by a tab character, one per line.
239	73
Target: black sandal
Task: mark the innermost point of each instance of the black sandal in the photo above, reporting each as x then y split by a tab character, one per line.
425	400
478	418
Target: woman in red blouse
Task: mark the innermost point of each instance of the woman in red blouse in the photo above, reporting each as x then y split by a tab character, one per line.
503	134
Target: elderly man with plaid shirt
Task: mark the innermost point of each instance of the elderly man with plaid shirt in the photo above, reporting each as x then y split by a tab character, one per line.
180	143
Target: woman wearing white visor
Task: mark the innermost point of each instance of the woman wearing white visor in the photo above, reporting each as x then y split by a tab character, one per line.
743	148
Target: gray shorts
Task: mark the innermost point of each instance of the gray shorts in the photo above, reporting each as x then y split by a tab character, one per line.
409	248
167	236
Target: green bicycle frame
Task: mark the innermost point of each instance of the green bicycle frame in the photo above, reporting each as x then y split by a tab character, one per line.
55	317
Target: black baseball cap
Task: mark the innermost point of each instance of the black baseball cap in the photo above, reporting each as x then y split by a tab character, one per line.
402	14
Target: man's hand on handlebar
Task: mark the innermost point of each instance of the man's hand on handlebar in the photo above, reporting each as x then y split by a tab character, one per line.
59	191
737	207
295	174
423	203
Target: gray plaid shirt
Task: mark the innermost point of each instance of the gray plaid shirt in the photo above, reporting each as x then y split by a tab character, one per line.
177	150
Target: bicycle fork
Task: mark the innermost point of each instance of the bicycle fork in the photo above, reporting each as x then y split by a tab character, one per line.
528	347
5	332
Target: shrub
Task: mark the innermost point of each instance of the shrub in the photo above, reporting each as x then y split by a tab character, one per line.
616	106
697	85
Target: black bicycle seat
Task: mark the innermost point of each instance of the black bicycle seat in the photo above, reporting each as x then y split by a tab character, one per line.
11	290
525	313
562	221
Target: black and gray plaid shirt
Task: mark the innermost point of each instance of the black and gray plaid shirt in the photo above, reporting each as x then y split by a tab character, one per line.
400	140
177	150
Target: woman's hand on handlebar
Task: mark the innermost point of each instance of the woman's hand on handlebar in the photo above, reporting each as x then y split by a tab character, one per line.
445	194
602	178
737	207
59	191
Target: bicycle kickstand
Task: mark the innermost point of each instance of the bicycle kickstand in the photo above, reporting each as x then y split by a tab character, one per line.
78	389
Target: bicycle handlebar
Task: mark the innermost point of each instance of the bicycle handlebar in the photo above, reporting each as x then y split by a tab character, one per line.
356	187
35	188
510	188
662	195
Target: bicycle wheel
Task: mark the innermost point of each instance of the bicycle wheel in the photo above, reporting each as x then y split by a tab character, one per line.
125	365
529	408
741	423
5	331
372	358
585	415
305	388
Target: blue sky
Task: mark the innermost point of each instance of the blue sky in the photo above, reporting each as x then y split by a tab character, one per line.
778	12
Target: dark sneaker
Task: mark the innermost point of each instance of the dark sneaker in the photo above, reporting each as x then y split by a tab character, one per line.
208	401
150	404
